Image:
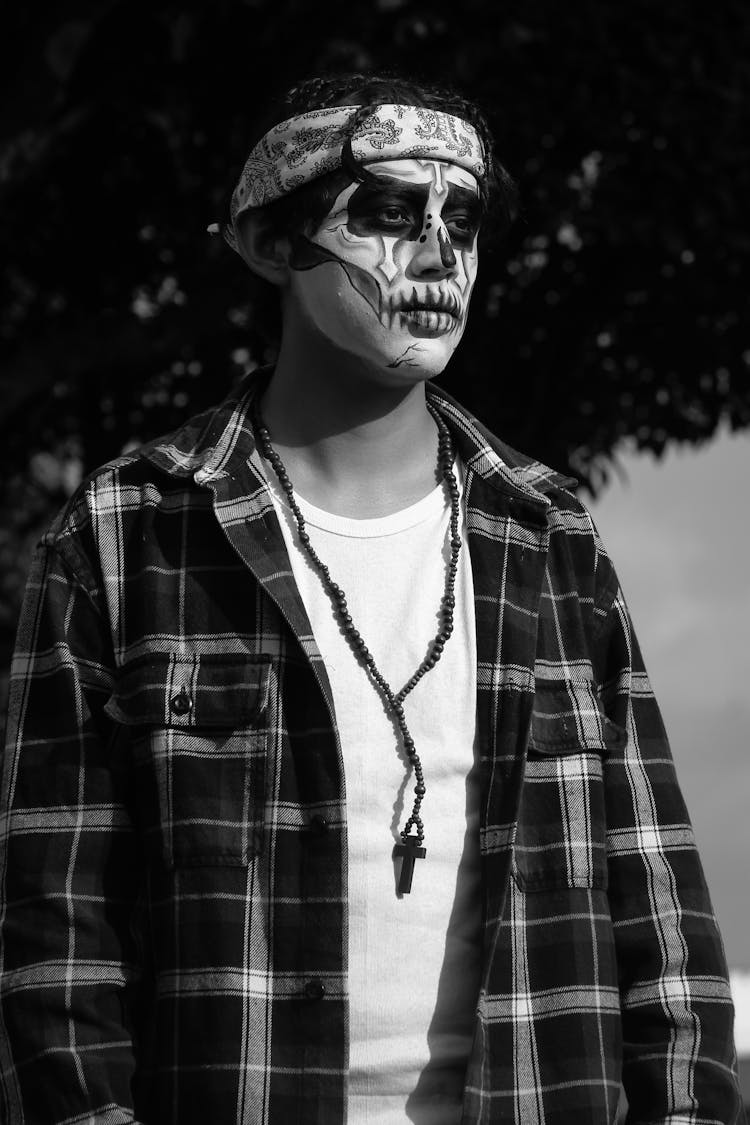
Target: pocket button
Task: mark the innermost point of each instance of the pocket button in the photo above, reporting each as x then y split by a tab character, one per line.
315	989
181	703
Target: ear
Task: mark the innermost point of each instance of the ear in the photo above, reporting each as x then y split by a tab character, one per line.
265	251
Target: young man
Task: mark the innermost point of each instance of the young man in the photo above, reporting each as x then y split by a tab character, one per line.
335	788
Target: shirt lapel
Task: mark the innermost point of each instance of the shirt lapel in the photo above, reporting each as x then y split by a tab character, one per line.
508	541
222	457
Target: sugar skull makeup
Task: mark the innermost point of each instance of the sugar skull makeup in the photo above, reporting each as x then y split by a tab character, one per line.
388	274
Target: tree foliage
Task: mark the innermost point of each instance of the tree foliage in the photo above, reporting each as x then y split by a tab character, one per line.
616	308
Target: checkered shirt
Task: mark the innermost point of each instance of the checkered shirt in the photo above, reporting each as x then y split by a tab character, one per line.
173	855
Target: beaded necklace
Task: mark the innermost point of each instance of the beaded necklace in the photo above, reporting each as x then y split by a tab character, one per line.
411	846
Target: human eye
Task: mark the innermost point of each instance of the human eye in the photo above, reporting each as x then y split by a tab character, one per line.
462	228
461	224
392	215
384	213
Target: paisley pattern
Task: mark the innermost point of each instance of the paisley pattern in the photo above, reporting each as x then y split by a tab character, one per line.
299	150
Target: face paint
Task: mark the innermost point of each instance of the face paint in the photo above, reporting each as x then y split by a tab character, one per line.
388	274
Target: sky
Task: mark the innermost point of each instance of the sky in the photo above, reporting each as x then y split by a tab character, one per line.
678	533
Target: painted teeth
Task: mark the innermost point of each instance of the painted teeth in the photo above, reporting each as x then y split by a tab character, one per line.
431	301
431	318
446	304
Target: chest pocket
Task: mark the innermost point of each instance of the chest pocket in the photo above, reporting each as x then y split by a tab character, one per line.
198	728
562	831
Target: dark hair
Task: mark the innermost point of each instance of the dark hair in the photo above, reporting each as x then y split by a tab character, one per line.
309	204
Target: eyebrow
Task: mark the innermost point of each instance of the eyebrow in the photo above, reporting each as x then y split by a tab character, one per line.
387	185
416	193
462	197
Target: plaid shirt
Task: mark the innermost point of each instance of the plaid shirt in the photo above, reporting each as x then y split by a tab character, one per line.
173	837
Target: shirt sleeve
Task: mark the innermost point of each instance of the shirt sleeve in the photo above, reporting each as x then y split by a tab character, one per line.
68	865
677	1016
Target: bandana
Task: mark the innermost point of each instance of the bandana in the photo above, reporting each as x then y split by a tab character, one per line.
305	147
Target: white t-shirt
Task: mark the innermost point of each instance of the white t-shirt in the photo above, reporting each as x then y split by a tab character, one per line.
413	959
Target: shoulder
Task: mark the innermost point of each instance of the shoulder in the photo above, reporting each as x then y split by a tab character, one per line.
511	471
538	496
158	471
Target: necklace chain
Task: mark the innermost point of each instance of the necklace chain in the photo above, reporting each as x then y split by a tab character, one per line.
394	700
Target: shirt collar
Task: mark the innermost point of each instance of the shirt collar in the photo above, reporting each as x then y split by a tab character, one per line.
498	463
214	443
219	441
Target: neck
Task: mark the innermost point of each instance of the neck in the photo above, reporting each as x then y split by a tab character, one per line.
353	442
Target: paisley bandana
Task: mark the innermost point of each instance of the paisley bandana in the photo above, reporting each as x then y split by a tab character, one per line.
305	147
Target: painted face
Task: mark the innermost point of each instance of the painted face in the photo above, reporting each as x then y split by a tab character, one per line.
389	273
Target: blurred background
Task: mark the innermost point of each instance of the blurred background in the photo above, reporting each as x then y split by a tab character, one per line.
609	334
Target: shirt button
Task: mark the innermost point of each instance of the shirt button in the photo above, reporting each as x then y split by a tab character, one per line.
319	824
180	704
315	989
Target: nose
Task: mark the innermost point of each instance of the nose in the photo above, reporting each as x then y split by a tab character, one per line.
434	257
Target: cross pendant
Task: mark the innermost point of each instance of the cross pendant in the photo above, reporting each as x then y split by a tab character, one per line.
410	851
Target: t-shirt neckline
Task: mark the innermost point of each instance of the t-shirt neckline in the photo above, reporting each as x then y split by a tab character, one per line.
431	505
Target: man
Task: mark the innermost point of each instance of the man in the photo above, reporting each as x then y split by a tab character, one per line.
335	788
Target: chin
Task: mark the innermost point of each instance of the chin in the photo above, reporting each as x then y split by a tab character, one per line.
401	362
419	366
419	359
406	369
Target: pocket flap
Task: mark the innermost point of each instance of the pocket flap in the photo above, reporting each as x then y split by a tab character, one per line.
199	690
568	719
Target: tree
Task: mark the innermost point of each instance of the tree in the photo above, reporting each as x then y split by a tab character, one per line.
615	308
